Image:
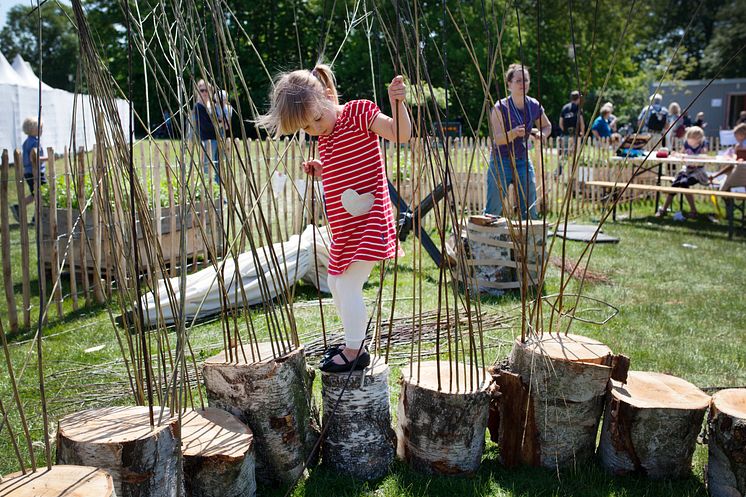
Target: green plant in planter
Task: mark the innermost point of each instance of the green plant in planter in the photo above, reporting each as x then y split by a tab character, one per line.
162	192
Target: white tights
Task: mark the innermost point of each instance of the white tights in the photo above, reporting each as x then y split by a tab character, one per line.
347	290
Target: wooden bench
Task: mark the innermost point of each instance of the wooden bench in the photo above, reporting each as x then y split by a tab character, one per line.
730	197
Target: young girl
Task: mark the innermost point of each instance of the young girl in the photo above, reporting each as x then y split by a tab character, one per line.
356	190
694	144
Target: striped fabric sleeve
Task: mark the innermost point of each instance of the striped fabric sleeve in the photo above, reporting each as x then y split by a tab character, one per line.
362	113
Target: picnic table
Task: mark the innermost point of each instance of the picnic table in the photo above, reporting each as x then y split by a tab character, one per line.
675	160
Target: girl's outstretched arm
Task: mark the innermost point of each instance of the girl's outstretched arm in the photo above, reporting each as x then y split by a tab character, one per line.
386	126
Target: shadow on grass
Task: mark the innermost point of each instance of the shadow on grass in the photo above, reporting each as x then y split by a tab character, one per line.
702	226
493	479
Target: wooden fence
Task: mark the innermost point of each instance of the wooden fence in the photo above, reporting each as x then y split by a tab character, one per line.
262	185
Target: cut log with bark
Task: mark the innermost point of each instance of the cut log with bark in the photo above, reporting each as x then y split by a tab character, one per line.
59	481
359	440
269	390
726	444
551	395
442	417
651	425
218	454
143	461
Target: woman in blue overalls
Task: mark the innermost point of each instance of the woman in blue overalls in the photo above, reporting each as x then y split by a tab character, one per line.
512	121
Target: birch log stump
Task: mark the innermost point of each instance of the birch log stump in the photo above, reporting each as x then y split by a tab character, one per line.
441	424
726	445
272	396
551	396
142	461
359	441
651	425
60	481
218	454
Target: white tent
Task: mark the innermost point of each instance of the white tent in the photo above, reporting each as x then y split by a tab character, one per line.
67	117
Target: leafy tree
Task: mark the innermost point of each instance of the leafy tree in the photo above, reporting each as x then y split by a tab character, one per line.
59	47
728	36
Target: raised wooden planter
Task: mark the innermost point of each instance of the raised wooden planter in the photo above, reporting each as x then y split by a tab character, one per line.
100	238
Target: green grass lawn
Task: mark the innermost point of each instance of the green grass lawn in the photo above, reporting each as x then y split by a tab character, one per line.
680	312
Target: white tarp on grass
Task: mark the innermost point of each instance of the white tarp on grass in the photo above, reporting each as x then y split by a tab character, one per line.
296	262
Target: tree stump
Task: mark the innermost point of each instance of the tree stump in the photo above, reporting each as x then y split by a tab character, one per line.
142	460
273	397
60	481
551	396
218	454
726	445
440	429
359	441
651	425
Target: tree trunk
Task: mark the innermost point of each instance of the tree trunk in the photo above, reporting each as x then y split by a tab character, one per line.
550	400
60	481
143	462
440	428
273	397
360	441
651	425
726	428
218	454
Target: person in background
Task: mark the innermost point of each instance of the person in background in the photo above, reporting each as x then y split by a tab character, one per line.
741	117
600	127
511	122
206	132
736	173
654	116
571	119
612	119
700	121
691	174
675	124
32	128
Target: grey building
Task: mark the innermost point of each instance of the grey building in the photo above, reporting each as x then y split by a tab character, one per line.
721	101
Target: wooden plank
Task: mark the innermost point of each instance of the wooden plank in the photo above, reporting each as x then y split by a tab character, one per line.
97	235
53	234
10	297
157	224
23	222
174	257
669	189
83	236
69	239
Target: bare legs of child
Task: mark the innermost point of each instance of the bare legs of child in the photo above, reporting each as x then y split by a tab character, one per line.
689	198
347	290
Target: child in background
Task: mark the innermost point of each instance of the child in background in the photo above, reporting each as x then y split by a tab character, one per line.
356	192
33	129
223	111
694	144
736	173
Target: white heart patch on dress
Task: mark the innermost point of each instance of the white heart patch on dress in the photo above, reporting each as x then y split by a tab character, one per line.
356	204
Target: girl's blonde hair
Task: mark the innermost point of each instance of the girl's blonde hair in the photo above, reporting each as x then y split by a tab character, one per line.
694	132
674	109
296	97
514	68
31	126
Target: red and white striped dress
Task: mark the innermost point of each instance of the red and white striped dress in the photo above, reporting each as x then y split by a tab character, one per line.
356	190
